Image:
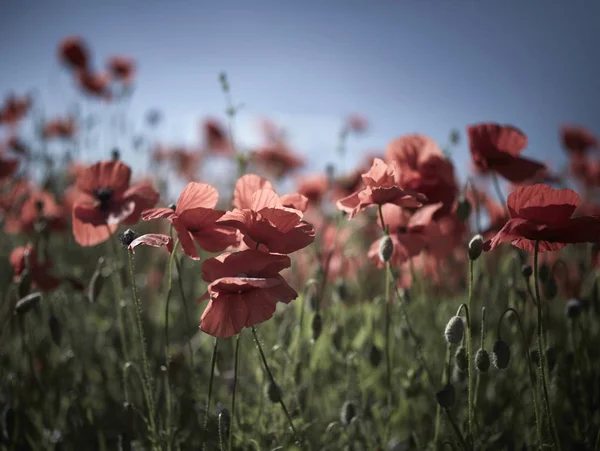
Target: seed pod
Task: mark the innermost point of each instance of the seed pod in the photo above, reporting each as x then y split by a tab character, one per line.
348	412
127	237
475	247
96	282
273	391
573	308
463	209
28	302
317	326
462	363
386	249
375	355
55	330
446	397
527	271
501	354
455	330
482	361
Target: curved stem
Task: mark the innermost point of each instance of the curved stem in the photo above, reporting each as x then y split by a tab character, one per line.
272	379
235	373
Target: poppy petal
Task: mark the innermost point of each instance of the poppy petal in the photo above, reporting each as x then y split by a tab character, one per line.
245	187
197	195
154	240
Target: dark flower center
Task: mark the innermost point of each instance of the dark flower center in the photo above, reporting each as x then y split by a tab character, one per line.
104	195
402	229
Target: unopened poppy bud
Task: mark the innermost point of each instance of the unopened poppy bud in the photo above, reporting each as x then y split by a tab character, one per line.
386	249
550	288
172	206
446	397
96	282
463	209
317	326
501	354
312	301
55	330
475	247
127	237
341	291
482	361
462	363
455	330
273	391
375	355
544	272
115	154
347	413
25	304
573	308
25	283
527	271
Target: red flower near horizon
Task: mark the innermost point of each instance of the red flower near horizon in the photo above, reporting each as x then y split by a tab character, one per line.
122	68
14	109
314	188
194	219
40	276
423	168
380	188
244	290
496	147
94	84
59	128
577	140
105	200
215	137
276	159
269	226
356	123
8	166
73	52
541	213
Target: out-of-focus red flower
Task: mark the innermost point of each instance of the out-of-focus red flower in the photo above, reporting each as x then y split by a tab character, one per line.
248	184
422	167
8	166
94	84
244	289
496	147
39	207
185	162
356	123
380	188
577	140
194	219
16	145
40	275
345	185
495	213
73	52
122	68
14	109
541	213
277	160
215	137
59	128
269	226
105	200
314	188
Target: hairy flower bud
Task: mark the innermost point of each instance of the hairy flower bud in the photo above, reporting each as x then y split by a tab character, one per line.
127	237
482	361
527	271
460	358
317	326
273	391
573	308
455	330
463	209
348	412
446	397
475	247
375	355
501	354
386	249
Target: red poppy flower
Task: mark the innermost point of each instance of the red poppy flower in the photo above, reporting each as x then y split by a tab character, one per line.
94	84
244	290
59	128
17	145
40	276
346	185
496	147
248	184
356	123
423	168
8	166
194	220
38	208
541	213
380	188
276	159
577	140
215	137
105	200
73	52
270	225
122	68
314	188
14	109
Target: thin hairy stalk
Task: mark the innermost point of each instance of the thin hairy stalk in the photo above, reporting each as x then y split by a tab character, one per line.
210	384
118	292
438	412
272	379
469	355
462	440
185	307
481	346
167	355
541	353
235	374
146	365
499	194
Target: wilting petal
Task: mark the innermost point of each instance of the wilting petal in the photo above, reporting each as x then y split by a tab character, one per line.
154	240
197	195
245	187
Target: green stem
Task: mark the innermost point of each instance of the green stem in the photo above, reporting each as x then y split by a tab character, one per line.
272	379
210	384
185	307
387	313
541	353
235	373
438	412
499	194
469	354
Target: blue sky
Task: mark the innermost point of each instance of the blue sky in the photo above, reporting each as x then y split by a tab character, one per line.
408	66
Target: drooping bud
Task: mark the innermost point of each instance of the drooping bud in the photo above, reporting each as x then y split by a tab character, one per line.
375	355
317	326
341	291
386	249
446	397
455	330
573	308
501	354
463	209
482	361
28	302
527	271
348	412
127	237
273	391
550	288
475	247
462	363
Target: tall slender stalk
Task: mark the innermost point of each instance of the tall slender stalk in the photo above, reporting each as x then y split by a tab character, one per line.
185	306
235	374
499	194
210	385
469	355
387	314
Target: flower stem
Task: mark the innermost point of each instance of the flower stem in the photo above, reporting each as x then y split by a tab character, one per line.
272	379
210	383
235	373
541	353
185	306
469	354
387	313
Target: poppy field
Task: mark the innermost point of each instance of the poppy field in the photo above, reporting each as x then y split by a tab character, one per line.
392	306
